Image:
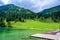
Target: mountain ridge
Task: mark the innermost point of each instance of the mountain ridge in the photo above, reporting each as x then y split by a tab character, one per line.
52	8
13	7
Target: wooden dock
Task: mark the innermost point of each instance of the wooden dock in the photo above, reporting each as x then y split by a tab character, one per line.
46	36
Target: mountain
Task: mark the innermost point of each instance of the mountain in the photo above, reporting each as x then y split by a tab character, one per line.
13	12
10	12
50	10
14	8
53	13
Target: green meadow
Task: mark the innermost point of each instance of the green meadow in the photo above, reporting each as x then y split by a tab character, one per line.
31	24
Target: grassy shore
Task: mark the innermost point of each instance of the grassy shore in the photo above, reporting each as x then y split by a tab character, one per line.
23	30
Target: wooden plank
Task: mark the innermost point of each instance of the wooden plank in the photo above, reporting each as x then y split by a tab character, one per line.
45	36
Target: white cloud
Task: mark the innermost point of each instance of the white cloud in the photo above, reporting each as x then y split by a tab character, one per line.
44	4
34	5
5	1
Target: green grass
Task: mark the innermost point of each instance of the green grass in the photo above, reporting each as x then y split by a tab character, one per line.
30	24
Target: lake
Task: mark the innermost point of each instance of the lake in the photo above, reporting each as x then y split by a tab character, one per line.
19	34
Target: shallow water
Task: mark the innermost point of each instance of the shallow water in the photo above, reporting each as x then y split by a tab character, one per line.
18	34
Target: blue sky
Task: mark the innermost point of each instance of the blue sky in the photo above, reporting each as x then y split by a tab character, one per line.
33	5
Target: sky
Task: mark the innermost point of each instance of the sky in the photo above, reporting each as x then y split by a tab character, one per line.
33	5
